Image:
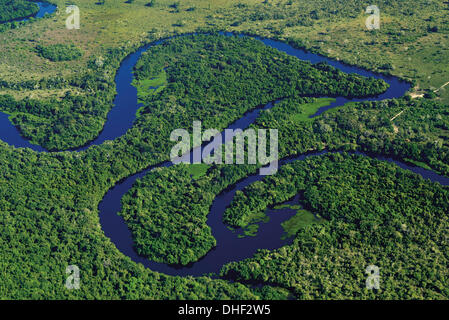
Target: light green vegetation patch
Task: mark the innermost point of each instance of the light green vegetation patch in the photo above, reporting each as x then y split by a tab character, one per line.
291	226
302	219
254	222
197	170
250	231
289	206
419	164
310	109
150	86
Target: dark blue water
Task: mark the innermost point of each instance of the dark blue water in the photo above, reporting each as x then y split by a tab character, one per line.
11	135
45	8
230	247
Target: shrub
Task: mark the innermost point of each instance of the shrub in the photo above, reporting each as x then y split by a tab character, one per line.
59	52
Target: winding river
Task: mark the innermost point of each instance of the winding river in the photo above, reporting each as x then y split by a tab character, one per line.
230	247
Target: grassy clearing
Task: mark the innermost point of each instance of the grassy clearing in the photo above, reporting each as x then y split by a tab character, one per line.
302	219
111	25
150	86
254	221
310	109
291	226
41	93
197	170
288	206
250	231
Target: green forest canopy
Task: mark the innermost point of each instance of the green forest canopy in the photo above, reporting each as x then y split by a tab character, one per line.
16	9
49	201
376	214
225	77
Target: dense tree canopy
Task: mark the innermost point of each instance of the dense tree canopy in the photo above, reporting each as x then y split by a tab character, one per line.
49	201
59	52
16	9
377	214
215	79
